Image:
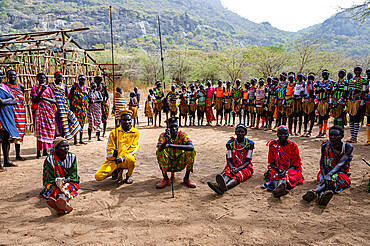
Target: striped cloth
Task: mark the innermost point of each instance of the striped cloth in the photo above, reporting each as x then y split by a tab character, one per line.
20	112
105	103
72	127
44	115
79	104
7	121
94	112
119	104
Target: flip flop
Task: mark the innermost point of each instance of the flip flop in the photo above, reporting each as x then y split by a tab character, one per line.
215	188
310	196
63	205
2	169
325	197
221	182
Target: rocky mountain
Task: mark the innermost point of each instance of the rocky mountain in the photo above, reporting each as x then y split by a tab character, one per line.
343	34
195	24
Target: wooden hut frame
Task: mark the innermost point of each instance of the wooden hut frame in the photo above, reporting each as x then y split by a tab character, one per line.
47	52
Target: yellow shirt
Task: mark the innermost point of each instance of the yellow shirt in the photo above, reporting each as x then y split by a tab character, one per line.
128	142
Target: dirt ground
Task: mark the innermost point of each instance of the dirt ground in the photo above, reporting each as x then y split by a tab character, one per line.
140	214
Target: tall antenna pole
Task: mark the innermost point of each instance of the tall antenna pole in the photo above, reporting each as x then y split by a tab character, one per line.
111	39
115	154
160	42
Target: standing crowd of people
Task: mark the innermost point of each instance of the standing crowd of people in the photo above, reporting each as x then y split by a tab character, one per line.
297	101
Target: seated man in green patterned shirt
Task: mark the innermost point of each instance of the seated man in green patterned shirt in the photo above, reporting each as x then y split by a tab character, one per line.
175	152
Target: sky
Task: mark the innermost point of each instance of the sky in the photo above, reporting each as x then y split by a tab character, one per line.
288	15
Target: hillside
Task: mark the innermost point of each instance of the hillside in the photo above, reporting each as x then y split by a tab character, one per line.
340	33
193	24
198	24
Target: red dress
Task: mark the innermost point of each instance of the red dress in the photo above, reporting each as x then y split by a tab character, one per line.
285	157
239	156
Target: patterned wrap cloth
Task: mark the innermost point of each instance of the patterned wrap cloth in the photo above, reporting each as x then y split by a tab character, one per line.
340	180
104	104
94	112
285	157
7	112
119	104
44	118
239	156
55	168
79	104
175	160
19	110
68	120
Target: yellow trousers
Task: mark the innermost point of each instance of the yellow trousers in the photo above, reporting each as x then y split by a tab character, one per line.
108	168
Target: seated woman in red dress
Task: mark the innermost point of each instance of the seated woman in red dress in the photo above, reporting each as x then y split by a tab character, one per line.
334	172
238	157
285	165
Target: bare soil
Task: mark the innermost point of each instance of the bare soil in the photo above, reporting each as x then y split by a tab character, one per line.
140	214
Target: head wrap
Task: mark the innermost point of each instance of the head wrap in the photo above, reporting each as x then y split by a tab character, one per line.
125	112
241	126
56	73
282	127
57	141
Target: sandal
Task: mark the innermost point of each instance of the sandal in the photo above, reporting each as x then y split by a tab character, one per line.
325	197
221	182
129	180
52	204
63	205
351	141
280	191
215	188
310	196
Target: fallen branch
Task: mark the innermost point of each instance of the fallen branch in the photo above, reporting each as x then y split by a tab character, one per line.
222	215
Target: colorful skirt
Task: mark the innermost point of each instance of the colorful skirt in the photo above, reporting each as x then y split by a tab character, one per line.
293	177
340	180
240	176
94	116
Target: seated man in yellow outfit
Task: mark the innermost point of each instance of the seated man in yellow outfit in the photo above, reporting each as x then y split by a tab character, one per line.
122	156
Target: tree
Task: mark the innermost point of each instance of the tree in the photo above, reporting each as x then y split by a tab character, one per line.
234	62
305	48
178	65
359	12
206	66
270	60
150	67
3	7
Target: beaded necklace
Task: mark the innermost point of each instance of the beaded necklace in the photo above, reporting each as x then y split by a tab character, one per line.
245	145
